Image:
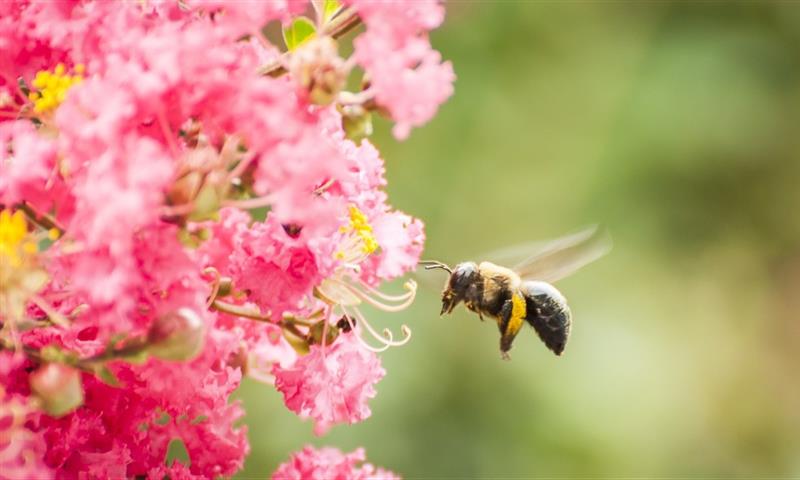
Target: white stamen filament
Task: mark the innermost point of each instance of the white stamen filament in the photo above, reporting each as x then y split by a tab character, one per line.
409	298
387	338
250	203
358	337
352	251
240	167
214	285
411	286
51	312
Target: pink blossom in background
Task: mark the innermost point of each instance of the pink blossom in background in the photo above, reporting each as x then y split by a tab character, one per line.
406	74
182	212
329	463
21	450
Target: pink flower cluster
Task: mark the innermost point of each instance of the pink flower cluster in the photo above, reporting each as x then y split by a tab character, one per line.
180	208
330	464
331	386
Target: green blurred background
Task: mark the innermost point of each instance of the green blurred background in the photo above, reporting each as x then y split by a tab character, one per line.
676	125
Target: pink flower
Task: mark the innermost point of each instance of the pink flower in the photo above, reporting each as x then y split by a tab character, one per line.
329	463
276	270
145	133
29	172
332	384
247	17
406	75
402	239
222	234
21	450
124	431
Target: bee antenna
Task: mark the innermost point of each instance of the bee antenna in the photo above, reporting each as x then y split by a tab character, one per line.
433	264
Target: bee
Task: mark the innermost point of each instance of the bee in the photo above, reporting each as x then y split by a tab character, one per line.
524	293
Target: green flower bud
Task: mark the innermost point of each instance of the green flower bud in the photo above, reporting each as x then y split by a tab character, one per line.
315	333
58	387
319	70
356	122
177	335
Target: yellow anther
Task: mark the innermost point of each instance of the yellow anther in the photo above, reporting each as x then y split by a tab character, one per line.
51	87
359	224
53	234
13	229
29	247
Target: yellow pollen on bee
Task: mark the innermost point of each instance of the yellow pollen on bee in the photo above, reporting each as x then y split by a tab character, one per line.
518	311
51	87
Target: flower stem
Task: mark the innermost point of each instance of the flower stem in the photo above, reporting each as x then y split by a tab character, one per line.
42	219
340	25
240	311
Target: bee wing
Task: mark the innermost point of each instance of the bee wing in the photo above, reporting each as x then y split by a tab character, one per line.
553	260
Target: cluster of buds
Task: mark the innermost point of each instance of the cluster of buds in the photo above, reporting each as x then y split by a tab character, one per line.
318	70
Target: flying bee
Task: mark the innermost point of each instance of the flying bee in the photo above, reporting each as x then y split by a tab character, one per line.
524	293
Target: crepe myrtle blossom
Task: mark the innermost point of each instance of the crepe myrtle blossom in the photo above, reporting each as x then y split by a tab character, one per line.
328	463
183	204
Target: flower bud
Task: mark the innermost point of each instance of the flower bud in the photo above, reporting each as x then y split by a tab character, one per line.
58	387
356	122
185	189
316	331
319	70
177	335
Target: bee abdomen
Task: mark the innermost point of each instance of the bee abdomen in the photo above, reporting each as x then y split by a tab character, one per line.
548	314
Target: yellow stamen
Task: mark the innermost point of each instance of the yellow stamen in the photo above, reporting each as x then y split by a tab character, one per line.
53	234
359	224
29	247
51	87
12	230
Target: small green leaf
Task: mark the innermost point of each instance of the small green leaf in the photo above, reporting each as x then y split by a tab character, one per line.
177	452
329	9
106	375
300	30
163	418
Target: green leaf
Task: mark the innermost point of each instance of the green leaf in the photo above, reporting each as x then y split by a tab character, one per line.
329	9
106	375
300	30
177	452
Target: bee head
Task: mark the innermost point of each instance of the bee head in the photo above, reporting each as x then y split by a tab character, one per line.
462	277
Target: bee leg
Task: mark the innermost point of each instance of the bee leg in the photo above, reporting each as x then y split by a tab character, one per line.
505	316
